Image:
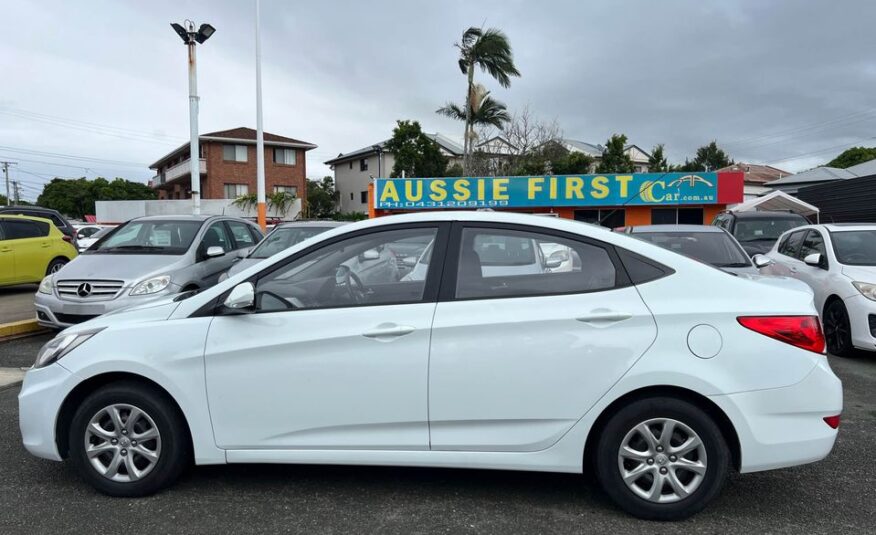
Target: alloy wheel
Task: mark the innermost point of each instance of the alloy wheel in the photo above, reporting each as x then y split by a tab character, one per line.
56	267
662	460
836	329
122	443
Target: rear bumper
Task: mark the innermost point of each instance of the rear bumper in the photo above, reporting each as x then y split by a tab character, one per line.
784	427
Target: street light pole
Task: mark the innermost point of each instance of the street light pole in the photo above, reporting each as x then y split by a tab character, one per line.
191	37
260	134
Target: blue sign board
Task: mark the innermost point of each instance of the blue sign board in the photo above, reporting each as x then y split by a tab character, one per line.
535	191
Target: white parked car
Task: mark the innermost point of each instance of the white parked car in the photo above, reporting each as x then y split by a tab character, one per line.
660	372
838	262
88	236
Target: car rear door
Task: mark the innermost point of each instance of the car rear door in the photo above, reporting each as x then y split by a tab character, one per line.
516	359
7	257
31	247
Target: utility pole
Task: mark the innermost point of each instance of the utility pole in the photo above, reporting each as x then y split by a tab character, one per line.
191	37
260	133
6	174
16	192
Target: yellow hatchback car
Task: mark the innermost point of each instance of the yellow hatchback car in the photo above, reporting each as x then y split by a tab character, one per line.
30	249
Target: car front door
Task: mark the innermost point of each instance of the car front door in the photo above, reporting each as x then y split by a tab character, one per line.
817	277
326	360
785	254
209	268
518	357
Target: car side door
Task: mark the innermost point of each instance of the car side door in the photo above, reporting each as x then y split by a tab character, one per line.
784	255
817	277
7	257
208	268
325	360
518	357
31	248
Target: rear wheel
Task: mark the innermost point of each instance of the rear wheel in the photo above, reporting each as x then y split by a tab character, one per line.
56	265
128	440
838	329
662	459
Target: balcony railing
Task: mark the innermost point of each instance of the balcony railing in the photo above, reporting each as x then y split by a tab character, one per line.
179	170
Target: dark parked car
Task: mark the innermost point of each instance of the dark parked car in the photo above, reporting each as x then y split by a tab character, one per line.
46	213
758	231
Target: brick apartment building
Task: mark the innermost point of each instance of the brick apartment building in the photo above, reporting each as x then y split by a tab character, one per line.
228	166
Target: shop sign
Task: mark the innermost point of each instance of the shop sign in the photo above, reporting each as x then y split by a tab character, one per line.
641	189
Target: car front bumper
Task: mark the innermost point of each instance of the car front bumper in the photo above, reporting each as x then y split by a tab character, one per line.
39	402
57	313
781	427
860	309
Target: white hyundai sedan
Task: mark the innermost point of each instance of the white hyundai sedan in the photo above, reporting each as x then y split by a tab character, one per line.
658	372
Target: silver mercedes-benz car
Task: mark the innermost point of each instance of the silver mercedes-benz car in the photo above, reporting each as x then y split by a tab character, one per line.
145	258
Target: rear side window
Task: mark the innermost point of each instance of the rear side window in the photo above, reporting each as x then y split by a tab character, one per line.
19	230
242	236
510	263
641	269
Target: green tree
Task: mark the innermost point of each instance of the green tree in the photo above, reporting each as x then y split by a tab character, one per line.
484	111
853	156
76	197
491	51
454	170
414	152
614	157
322	199
708	158
657	160
573	163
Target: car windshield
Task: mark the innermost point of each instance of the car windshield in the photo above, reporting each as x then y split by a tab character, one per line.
497	250
148	237
855	247
762	229
282	238
714	248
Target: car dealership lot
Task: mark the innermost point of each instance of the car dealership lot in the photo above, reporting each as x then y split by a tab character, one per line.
833	496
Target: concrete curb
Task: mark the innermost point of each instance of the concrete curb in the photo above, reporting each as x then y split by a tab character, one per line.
10	378
19	328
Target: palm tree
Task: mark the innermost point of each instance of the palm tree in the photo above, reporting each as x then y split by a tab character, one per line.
483	111
489	50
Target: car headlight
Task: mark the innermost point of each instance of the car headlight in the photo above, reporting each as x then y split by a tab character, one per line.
46	285
151	286
60	345
867	289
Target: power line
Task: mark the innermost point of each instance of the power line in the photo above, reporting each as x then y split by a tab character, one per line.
90	126
828	149
74	157
866	114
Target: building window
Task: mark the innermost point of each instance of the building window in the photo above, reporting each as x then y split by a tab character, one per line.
351	164
363	164
363	197
607	217
286	189
351	195
233	191
676	216
284	156
234	153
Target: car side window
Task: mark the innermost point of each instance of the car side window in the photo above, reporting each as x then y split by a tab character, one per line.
357	271
216	237
511	263
791	244
242	236
20	229
813	243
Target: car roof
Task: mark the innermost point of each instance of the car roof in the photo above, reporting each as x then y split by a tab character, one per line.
676	228
28	207
184	217
845	227
764	214
28	217
326	224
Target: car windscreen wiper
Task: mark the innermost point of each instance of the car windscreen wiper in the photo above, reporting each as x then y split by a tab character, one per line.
735	265
134	248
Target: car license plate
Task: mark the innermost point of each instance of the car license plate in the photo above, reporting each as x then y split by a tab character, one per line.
84	310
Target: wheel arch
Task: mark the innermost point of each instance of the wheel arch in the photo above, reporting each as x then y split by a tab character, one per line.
827	302
76	396
702	402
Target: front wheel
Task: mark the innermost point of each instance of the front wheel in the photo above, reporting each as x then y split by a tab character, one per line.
838	329
128	440
662	459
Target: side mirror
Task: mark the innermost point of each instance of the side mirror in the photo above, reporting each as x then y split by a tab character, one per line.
814	260
556	259
214	250
370	254
409	261
761	261
241	298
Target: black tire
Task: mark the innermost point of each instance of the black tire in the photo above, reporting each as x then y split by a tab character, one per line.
838	329
55	265
174	452
608	471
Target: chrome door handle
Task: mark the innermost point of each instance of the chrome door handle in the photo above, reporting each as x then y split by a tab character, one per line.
604	317
388	331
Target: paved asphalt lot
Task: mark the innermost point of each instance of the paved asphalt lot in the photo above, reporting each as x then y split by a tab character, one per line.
833	496
16	303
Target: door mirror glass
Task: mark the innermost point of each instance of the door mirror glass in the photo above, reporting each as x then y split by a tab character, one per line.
813	260
370	254
214	250
242	297
761	261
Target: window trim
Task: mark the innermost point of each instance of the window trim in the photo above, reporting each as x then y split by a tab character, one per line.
431	289
236	246
451	259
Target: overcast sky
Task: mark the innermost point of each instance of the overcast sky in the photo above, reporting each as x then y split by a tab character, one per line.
791	83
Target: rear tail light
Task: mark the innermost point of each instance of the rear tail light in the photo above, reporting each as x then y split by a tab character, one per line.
68	239
799	331
832	421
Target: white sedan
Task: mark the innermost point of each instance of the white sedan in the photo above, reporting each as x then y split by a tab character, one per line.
658	371
838	262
